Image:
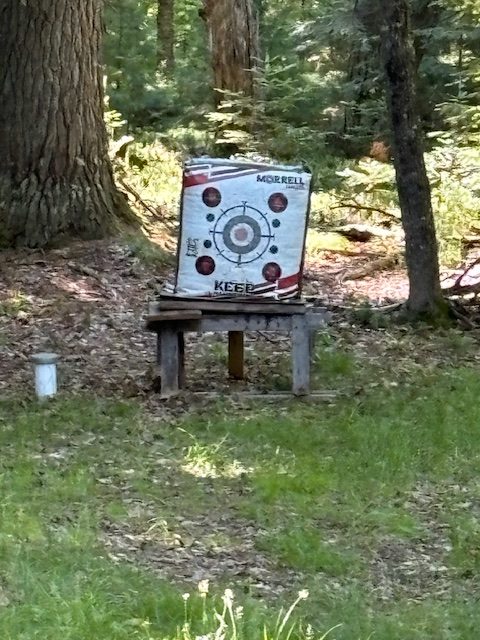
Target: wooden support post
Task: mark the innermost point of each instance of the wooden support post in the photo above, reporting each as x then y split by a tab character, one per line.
236	355
301	354
168	360
313	342
181	359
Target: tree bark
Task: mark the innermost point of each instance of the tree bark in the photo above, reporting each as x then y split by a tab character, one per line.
234	43
165	37
55	175
421	252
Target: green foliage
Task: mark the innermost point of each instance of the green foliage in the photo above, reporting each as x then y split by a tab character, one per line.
136	89
155	172
367	188
320	103
320	73
14	304
130	53
455	179
147	251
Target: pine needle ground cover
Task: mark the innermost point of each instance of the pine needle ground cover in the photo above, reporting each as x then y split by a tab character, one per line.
364	513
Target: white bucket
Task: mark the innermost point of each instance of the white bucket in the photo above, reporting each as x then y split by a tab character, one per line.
45	374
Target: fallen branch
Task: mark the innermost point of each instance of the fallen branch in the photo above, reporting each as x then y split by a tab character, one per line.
461	316
471	241
362	232
362	207
367	270
458	282
389	308
462	290
151	210
349	252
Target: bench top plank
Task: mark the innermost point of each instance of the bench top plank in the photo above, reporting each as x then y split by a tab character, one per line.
175	315
229	306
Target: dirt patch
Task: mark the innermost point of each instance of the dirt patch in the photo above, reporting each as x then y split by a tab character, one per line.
337	279
86	303
417	567
414	568
219	548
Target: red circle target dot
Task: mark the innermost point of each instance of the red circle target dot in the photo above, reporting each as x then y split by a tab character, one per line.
241	234
205	265
271	272
211	197
278	202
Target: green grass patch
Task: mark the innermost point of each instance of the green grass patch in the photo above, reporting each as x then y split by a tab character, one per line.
369	503
15	303
320	241
147	251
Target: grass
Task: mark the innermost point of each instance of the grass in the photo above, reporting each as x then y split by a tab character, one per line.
15	303
370	502
319	241
147	251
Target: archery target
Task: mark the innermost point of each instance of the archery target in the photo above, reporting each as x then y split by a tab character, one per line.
242	229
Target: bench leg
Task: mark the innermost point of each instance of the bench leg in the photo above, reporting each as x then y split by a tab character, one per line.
236	355
168	360
313	343
181	359
301	355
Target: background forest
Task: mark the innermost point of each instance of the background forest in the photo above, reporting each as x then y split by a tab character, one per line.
319	100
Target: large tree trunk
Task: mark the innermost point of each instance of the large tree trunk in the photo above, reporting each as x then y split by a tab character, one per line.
165	36
55	176
421	253
234	43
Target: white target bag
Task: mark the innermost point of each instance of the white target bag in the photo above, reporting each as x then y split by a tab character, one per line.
243	229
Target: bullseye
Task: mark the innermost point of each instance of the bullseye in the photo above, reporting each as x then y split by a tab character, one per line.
241	234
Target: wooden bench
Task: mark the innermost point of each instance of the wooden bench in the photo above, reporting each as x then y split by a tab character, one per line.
170	318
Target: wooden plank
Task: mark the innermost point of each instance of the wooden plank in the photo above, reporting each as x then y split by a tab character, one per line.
212	323
172	316
300	356
241	322
228	299
168	361
236	355
217	306
267	396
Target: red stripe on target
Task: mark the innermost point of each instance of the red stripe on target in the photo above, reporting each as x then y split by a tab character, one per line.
288	281
194	180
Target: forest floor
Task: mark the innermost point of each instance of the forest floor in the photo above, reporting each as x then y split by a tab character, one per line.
369	500
87	302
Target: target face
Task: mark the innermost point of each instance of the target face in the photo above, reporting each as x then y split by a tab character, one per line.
242	234
242	229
